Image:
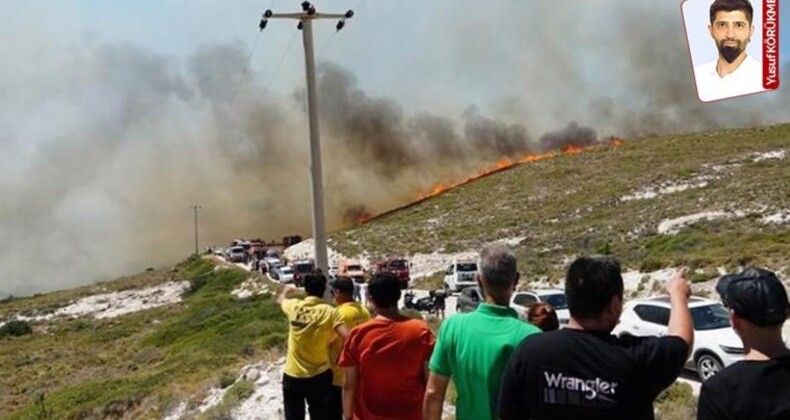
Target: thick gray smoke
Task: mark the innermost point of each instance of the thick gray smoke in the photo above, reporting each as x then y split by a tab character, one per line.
484	133
572	134
105	150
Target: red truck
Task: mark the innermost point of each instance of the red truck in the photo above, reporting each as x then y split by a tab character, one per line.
397	266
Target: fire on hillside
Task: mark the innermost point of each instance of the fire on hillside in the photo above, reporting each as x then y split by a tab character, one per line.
504	164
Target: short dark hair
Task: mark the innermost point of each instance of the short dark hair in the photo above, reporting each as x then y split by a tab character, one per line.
344	285
590	284
497	267
543	316
315	285
384	289
730	6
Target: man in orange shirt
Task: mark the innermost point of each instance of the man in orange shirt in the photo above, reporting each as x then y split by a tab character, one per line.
386	359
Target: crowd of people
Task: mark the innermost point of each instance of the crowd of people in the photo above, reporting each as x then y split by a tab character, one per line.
352	362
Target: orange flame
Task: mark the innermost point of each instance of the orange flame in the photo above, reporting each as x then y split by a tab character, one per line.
499	166
507	163
569	149
364	217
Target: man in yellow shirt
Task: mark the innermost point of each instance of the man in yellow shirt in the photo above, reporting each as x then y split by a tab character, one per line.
313	325
352	313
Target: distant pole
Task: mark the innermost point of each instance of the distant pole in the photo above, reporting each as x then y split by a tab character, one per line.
196	208
306	25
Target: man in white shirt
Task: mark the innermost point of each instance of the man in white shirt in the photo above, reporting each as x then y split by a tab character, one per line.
734	72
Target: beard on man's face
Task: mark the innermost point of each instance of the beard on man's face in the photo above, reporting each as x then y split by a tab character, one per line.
731	52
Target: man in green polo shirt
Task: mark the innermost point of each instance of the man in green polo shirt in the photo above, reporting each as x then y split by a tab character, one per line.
473	349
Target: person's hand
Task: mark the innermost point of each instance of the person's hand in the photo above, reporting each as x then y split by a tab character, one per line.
679	285
285	293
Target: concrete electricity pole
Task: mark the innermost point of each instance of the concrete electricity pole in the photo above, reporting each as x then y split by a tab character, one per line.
305	19
196	208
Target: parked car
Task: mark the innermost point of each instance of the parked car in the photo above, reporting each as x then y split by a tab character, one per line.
301	268
716	345
270	263
272	253
237	254
469	299
285	274
460	274
522	301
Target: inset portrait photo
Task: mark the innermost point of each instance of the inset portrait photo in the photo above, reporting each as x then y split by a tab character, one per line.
732	52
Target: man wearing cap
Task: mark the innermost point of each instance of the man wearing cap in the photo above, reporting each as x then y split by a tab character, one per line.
759	386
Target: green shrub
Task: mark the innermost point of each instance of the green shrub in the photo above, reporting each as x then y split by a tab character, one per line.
604	249
196	284
676	403
241	391
274	340
16	329
226	379
657	287
232	398
652	264
42	411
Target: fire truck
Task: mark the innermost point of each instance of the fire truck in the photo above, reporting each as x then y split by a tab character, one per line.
397	266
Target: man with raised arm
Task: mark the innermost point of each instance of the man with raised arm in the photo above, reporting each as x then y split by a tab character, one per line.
584	372
313	325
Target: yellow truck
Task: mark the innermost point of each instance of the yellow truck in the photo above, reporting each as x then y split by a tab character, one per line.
351	269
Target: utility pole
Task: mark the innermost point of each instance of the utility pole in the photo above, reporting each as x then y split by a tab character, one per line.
196	208
305	24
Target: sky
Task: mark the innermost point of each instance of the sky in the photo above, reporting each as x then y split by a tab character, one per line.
115	117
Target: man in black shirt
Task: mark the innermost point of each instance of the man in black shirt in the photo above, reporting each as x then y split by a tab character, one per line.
759	386
584	372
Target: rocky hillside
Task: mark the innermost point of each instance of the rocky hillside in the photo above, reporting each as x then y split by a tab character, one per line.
204	339
170	342
714	201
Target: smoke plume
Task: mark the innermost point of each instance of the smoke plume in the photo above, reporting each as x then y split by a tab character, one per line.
107	146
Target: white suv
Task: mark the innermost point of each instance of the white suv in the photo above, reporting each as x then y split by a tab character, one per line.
716	345
459	275
521	302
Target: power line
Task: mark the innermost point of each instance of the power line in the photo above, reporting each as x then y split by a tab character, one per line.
239	81
280	62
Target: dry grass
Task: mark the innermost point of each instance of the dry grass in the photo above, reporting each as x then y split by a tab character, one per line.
571	205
